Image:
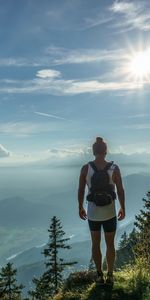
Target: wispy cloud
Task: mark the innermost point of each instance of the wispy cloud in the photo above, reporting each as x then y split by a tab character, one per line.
124	7
138	116
130	151
60	55
19	62
134	15
54	56
67	87
26	129
4	152
67	152
99	19
49	115
144	126
96	86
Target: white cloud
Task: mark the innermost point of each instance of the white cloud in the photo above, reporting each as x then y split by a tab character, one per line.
66	152
53	156
76	154
4	152
124	154
133	149
48	81
68	87
60	56
123	7
48	73
96	86
134	15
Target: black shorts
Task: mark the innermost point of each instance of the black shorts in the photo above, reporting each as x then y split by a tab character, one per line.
108	225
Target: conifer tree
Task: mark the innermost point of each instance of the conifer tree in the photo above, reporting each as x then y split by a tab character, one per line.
9	288
126	250
55	265
123	240
132	238
52	278
40	292
142	224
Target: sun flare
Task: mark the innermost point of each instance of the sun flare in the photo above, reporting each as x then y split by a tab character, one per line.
139	65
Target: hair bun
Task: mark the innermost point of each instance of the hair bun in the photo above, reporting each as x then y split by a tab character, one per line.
99	147
99	140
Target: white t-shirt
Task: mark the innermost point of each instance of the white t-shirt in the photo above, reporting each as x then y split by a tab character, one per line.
100	213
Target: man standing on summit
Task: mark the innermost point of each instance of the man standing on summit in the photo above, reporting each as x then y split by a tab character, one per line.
102	178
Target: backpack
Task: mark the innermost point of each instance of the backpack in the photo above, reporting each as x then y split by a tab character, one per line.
101	192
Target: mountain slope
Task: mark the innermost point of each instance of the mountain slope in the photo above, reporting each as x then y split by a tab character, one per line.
16	211
82	287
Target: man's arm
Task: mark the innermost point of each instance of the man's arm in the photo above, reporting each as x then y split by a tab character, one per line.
81	192
120	193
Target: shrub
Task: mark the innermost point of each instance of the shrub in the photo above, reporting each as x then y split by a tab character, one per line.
78	279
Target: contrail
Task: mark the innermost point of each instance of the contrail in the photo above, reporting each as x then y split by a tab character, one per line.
49	115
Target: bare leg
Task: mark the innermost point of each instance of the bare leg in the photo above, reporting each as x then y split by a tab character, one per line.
96	251
110	250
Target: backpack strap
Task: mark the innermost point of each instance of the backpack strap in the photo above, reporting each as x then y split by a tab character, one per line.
91	163
107	167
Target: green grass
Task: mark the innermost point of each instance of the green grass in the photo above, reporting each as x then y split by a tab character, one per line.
130	284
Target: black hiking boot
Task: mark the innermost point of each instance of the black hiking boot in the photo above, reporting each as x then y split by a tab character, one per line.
109	279
100	279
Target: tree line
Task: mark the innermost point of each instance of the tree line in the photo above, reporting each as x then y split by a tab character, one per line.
136	244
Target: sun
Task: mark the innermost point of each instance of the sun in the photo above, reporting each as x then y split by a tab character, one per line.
139	65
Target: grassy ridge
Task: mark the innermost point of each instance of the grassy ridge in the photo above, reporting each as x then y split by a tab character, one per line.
130	284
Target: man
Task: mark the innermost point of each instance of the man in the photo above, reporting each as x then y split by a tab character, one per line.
101	214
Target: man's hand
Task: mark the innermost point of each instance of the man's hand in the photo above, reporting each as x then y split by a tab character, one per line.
82	213
121	214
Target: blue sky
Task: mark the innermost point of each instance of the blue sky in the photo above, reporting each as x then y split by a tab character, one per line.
65	78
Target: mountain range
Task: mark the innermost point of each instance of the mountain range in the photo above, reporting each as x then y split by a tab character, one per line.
24	224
